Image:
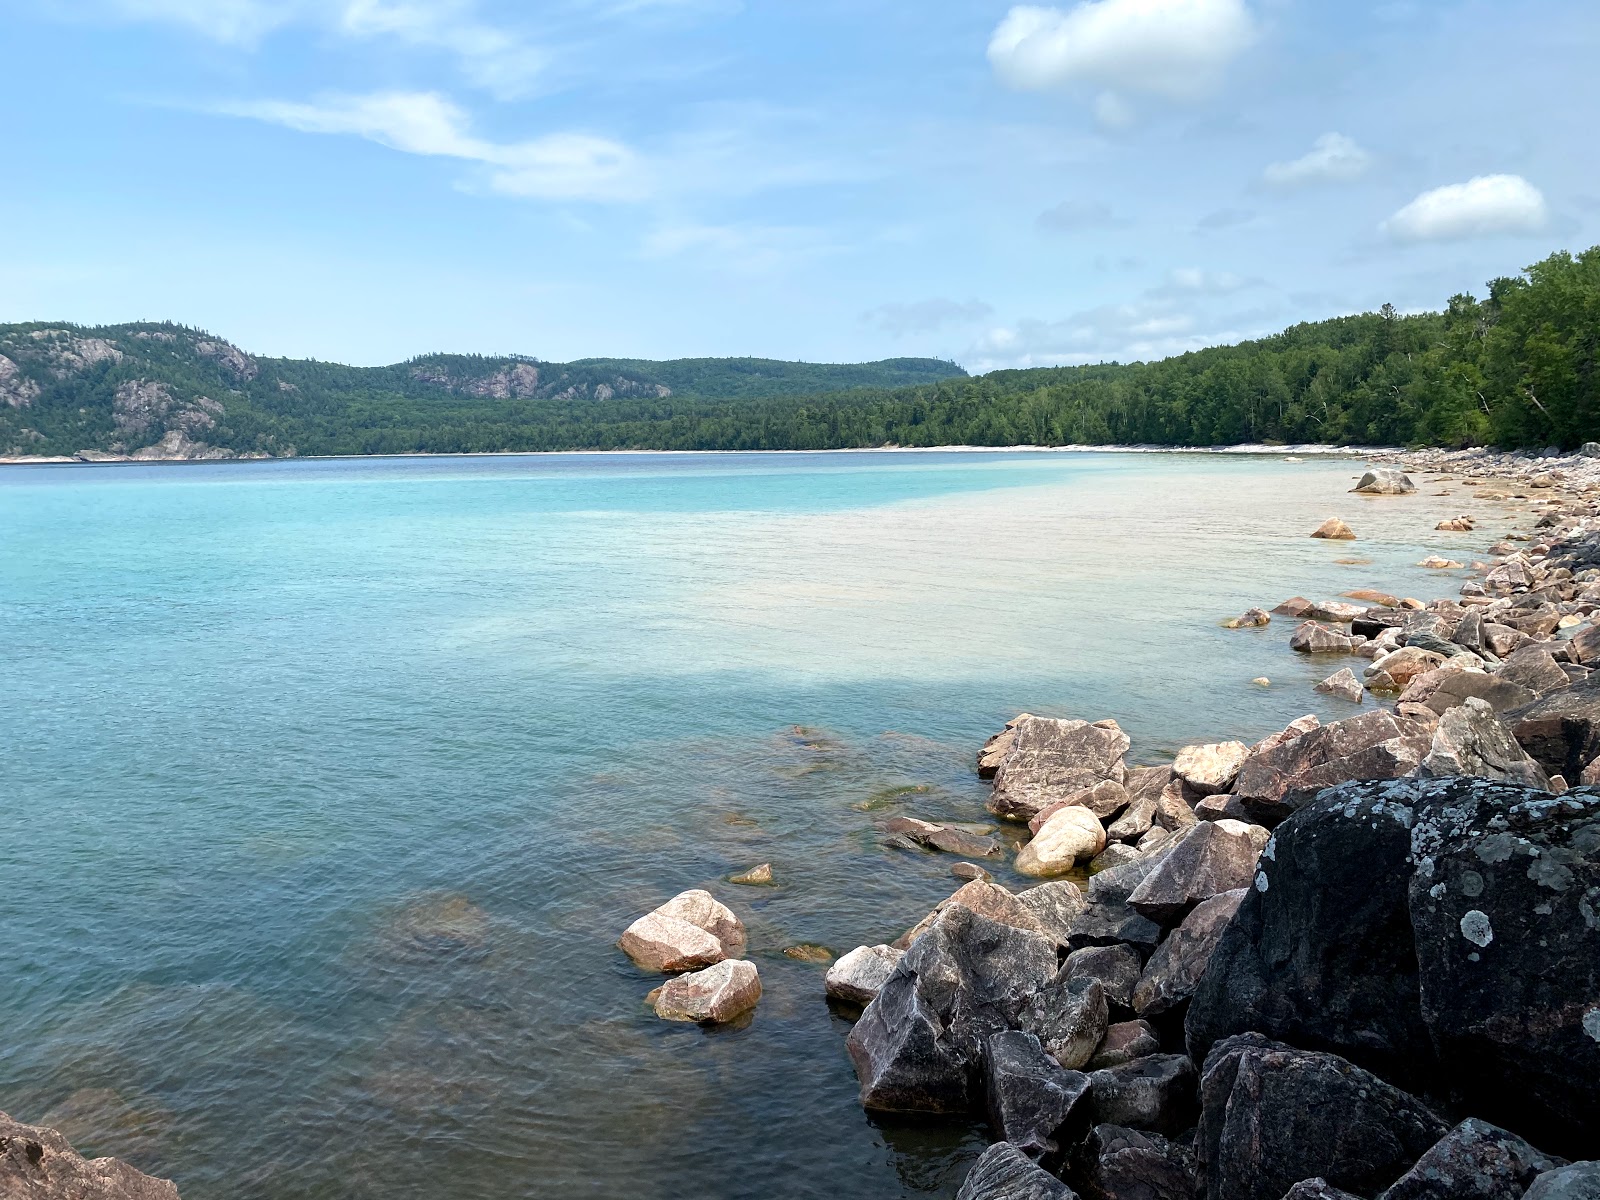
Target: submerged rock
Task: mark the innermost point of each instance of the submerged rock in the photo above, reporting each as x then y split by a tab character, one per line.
755	875
714	996
38	1164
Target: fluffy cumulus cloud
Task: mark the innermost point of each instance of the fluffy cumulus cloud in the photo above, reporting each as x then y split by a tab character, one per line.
926	316
1486	205
1334	158
558	166
1176	50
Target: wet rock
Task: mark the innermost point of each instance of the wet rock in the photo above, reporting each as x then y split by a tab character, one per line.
1176	967
688	932
1117	1163
1156	1092
1561	731
1470	740
714	996
1333	529
1003	1172
968	871
1505	904
1474	1161
1272	1116
1050	758
1374	597
987	899
1320	952
1104	799
1116	967
1312	638
38	1164
1253	618
754	876
1211	768
1438	563
1069	1016
1070	836
859	976
809	952
917	1045
437	926
1033	1102
1385	481
1344	685
1124	1042
1216	856
1580	1181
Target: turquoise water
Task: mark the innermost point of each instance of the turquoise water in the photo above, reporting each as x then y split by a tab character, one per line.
330	785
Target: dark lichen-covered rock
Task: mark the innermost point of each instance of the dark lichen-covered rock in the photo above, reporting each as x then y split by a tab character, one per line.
917	1046
1505	904
1317	1189
1474	1161
1273	1116
38	1164
1118	1163
1033	1102
1003	1172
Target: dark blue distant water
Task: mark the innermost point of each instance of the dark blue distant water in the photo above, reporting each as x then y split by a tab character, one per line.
329	785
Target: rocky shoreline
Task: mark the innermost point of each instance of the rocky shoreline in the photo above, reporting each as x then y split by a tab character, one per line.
1355	959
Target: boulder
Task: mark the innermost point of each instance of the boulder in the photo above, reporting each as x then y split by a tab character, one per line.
1155	1092
1385	481
1107	919
917	1046
714	996
1222	808
1585	645
1580	1181
1376	745
1071	836
1056	906
1114	855
1104	799
1033	1103
1003	1172
1333	529
1294	606
1344	685
1393	671
987	899
1117	1163
662	943
1213	857
858	976
1469	633
1337	611
1372	596
1450	688
1312	638
1211	768
1317	1189
1470	740
1533	669
1320	952
1175	807
38	1164
996	748
1253	618
1176	967
1474	1161
1124	1042
1272	1116
1116	967
1144	786
1562	730
1504	901
1069	1016
1050	758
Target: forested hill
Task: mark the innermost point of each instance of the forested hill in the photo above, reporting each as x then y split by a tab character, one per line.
1515	368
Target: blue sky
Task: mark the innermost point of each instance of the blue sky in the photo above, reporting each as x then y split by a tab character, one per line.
831	180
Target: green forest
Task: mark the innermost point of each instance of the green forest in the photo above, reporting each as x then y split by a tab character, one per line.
1514	368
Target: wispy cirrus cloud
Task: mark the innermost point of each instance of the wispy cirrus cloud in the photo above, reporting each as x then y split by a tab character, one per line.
556	166
1333	158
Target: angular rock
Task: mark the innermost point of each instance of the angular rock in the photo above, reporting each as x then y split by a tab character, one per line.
1033	1102
1107	919
1344	685
1470	740
996	748
1273	1116
1104	799
1003	1172
917	1045
1399	667
1144	786
1453	687
1178	964
1071	836
1534	669
1474	1161
1056	906
38	1164
1213	857
1337	611
1124	1042
1114	855
1312	638
1333	529
1585	645
1562	730
713	996
1376	745
1156	1092
663	943
1069	1017
1469	634
1049	758
1580	1181
1116	967
987	899
1385	481
1294	606
859	976
1118	1163
1317	1189
754	876
1221	808
1211	768
1175	807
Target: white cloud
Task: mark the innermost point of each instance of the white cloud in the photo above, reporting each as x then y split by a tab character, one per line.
925	316
1334	158
233	22
1196	281
491	58
1488	204
1172	49
559	166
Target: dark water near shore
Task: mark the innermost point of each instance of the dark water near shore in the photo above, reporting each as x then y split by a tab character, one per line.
329	785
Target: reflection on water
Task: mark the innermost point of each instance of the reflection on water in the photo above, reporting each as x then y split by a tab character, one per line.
332	784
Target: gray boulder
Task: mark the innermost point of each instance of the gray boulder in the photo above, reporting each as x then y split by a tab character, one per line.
1580	1181
1178	964
1156	1092
1470	740
1124	1042
1474	1161
1317	1189
858	977
1033	1102
1385	481
1116	967
1118	1163
1273	1116
1003	1172
1055	906
1049	759
1069	1016
1107	920
38	1164
1562	730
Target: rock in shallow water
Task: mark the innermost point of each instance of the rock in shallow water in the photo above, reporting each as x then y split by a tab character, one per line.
713	996
1333	529
1003	1172
662	943
1385	481
1033	1102
859	975
1071	836
37	1164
